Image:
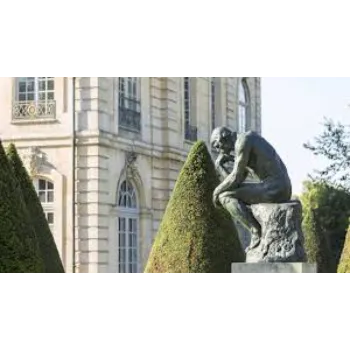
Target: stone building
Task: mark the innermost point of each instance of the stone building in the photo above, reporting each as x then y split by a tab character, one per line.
122	143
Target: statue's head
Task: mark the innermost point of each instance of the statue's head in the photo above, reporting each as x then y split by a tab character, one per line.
223	139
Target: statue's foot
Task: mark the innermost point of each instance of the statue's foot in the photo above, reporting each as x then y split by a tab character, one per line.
255	240
253	244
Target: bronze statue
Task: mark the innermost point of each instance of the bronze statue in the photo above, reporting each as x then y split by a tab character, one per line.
252	156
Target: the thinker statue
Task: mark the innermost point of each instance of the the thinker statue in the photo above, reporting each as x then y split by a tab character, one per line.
251	155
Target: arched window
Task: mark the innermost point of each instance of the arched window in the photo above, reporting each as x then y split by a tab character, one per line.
130	104
244	106
46	192
128	230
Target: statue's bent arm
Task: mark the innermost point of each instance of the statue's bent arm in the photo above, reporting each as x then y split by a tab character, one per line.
238	173
223	171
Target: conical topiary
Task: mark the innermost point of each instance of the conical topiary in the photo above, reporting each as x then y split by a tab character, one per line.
19	251
317	246
194	236
47	245
344	263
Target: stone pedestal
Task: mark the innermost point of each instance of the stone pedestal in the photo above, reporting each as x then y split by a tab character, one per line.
282	239
273	268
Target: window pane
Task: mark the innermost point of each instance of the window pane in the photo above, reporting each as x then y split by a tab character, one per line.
50	95
42	184
122	224
42	96
122	255
50	185
50	218
50	85
122	268
122	237
22	86
42	196
42	85
30	86
241	93
30	97
134	225
130	254
50	196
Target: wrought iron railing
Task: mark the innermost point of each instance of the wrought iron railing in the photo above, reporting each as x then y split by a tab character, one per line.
129	120
191	133
26	110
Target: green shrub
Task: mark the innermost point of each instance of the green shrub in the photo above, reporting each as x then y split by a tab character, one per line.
48	249
344	264
331	209
194	236
19	251
317	245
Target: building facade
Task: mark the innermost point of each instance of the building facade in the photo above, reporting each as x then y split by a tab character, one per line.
104	153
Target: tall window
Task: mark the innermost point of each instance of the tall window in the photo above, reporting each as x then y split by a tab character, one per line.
130	104
34	97
128	221
244	105
213	107
190	130
46	190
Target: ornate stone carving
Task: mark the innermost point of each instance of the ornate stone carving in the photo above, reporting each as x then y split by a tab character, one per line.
130	163
34	160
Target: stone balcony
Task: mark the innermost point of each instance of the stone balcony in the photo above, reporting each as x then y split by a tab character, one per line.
32	110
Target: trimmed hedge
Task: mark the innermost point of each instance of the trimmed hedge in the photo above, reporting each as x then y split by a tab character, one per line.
331	208
19	251
317	245
344	264
194	236
47	245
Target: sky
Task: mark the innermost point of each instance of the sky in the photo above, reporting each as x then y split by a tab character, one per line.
292	114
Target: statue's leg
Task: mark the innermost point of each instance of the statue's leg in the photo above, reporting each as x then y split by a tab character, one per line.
242	213
263	192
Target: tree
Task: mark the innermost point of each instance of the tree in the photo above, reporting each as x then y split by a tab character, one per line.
47	245
19	251
194	236
334	145
326	210
344	264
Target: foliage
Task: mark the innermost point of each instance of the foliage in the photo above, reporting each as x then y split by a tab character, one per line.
194	236
48	249
317	245
344	264
334	145
19	251
326	210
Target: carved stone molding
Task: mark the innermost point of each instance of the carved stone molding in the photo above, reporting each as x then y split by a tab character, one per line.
130	163
35	161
